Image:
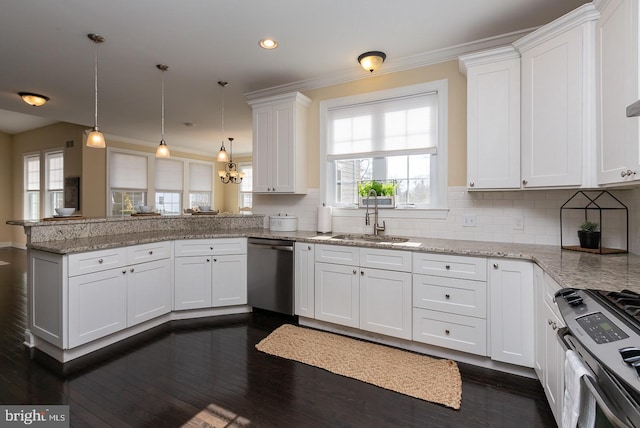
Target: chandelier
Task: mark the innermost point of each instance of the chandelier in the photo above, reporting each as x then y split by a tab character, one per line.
230	173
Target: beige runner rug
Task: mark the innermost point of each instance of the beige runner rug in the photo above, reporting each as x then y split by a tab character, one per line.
405	372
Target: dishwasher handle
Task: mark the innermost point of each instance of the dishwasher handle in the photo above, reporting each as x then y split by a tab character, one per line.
271	247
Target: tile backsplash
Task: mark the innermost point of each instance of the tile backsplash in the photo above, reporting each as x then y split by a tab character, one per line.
528	217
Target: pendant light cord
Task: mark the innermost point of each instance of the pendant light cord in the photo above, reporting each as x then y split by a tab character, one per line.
95	87
162	136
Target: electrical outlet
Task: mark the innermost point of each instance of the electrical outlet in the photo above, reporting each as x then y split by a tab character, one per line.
518	223
469	220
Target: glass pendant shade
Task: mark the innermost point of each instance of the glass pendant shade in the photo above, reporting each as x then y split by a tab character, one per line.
223	156
95	139
163	150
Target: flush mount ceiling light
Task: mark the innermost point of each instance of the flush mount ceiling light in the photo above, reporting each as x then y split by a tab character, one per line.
371	61
163	150
268	44
95	138
223	156
32	99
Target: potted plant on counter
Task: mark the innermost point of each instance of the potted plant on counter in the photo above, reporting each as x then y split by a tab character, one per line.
385	193
588	235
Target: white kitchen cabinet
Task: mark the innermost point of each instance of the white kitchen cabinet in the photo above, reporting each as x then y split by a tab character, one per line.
210	273
279	149
493	118
304	279
617	87
512	311
97	305
47	296
149	290
351	290
558	102
337	294
539	327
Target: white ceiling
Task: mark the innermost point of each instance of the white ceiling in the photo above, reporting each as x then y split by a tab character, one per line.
44	49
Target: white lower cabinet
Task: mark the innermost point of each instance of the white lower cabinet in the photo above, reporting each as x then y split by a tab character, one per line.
210	273
349	292
462	333
512	317
149	291
304	280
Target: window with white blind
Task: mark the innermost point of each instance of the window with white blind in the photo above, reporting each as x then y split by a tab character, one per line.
200	184
245	189
54	182
128	182
31	209
396	137
168	185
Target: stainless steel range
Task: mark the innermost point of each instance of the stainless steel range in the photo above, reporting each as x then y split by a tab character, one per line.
604	329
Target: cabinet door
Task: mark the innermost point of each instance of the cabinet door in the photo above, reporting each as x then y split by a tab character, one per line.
617	87
304	279
385	302
540	325
553	102
149	291
493	122
97	305
553	381
192	282
511	303
229	280
261	149
46	296
337	293
283	150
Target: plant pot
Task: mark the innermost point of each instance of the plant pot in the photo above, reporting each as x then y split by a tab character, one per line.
383	202
589	239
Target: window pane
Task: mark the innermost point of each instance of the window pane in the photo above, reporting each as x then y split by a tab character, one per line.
197	199
124	202
32	173
169	202
55	171
32	205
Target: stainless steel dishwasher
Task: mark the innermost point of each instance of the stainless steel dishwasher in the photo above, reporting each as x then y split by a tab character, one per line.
270	275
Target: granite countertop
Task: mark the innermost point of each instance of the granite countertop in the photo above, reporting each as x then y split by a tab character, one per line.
568	268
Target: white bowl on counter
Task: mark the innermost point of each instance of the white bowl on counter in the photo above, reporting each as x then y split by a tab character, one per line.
145	208
65	212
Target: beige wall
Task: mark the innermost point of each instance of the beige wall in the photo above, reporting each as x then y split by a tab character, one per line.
6	190
457	112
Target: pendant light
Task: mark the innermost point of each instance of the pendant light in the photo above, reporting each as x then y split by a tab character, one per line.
163	150
230	173
95	137
223	156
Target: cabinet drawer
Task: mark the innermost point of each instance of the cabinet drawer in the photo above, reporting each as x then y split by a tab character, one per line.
338	254
96	261
452	295
206	247
467	334
148	252
450	266
385	259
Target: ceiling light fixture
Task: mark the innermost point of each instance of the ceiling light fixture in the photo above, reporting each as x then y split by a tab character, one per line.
223	156
230	173
371	61
163	150
268	44
32	99
95	138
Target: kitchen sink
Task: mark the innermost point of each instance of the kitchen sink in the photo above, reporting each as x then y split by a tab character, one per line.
370	238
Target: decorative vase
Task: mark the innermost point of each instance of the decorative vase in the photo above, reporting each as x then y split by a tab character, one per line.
589	239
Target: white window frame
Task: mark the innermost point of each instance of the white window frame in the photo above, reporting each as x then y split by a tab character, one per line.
242	165
44	206
48	190
151	174
440	208
27	190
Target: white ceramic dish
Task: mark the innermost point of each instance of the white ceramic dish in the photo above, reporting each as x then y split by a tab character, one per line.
65	212
145	209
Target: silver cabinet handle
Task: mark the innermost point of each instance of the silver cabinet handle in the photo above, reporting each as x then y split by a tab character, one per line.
362	273
131	270
151	253
309	248
208	260
447	332
215	260
124	271
211	248
100	261
447	267
472	184
447	296
525	182
495	266
354	271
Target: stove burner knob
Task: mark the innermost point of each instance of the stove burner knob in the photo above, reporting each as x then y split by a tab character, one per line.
573	300
630	354
565	292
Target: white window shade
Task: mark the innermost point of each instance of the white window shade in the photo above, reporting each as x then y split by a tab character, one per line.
391	127
200	177
127	171
55	171
169	174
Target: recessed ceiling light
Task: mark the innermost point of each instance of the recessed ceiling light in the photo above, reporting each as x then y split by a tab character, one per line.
268	44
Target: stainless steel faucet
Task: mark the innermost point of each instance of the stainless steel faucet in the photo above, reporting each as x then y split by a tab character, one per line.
376	227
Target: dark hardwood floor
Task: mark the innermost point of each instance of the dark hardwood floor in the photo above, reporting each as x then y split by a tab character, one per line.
166	377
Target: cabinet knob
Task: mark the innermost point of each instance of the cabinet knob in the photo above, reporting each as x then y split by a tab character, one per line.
447	332
627	173
355	272
472	184
268	189
100	261
124	271
447	296
211	248
309	248
447	267
215	260
525	182
131	270
151	253
549	322
554	325
495	266
362	273
208	260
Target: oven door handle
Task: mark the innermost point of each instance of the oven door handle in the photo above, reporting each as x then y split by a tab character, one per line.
592	386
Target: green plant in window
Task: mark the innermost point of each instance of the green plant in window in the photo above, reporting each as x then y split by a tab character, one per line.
381	189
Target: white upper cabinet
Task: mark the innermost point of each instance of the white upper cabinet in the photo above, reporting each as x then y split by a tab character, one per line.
617	87
279	149
558	102
493	118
